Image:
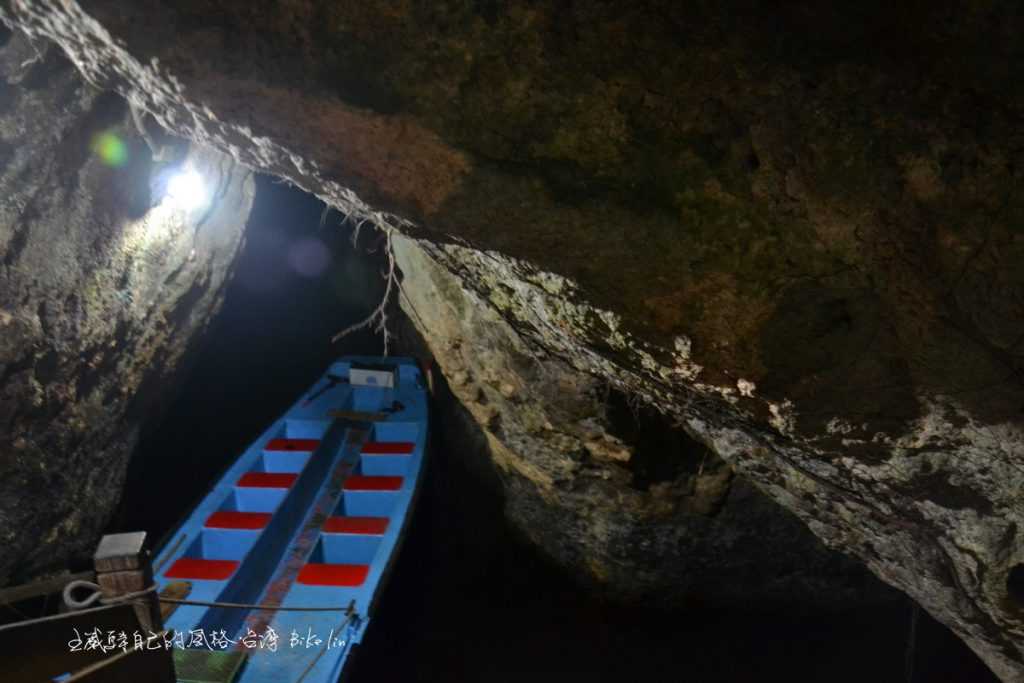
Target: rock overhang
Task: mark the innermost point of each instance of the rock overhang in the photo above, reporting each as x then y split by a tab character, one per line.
805	256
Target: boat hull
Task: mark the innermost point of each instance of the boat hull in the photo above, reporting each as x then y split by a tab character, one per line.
299	533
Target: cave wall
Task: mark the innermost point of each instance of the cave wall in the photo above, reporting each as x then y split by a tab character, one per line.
936	517
795	228
607	486
103	290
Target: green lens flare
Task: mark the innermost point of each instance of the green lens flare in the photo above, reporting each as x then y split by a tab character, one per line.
110	148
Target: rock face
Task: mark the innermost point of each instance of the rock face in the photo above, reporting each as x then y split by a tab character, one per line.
601	482
102	291
796	230
949	471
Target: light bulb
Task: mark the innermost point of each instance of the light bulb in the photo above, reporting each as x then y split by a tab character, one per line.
185	190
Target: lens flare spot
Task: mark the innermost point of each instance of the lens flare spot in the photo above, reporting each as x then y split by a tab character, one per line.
185	190
309	257
110	149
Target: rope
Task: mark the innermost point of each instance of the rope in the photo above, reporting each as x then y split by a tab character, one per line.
98	595
69	599
105	604
167	554
56	617
96	666
309	667
246	605
125	597
83	607
423	325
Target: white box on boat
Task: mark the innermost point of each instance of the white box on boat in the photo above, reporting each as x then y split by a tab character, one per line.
368	377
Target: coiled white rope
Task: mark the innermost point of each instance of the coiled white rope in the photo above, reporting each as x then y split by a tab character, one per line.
69	598
106	603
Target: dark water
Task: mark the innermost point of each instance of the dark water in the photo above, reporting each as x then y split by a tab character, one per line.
467	600
295	286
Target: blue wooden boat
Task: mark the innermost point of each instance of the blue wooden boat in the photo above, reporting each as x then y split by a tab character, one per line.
302	528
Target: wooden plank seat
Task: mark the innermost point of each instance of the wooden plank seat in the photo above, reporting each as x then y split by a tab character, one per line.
323	574
294	445
198	569
359	482
271	480
373	526
388	448
230	519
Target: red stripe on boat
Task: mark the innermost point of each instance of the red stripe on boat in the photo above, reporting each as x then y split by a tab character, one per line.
317	574
226	519
195	568
388	448
361	483
375	526
299	445
267	480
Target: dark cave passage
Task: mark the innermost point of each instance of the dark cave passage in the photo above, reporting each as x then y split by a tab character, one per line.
469	599
296	284
1015	583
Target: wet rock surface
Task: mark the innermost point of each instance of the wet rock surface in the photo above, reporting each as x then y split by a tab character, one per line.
795	230
620	497
104	291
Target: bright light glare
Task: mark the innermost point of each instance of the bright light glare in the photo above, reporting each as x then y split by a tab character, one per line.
185	190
